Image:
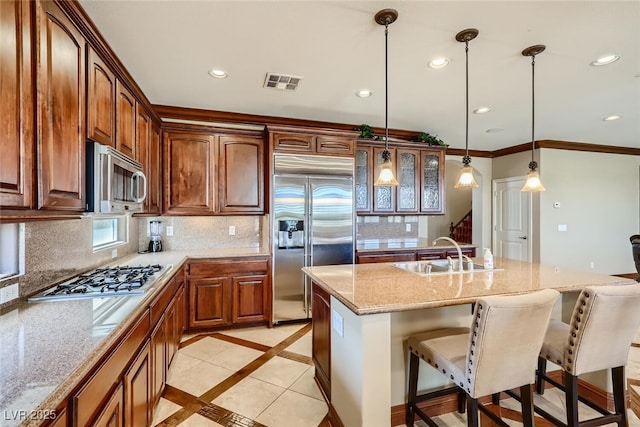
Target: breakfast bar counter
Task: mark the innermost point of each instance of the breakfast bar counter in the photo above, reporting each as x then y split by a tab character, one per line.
375	307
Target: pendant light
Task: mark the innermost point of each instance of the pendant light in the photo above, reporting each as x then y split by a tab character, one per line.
466	179
533	183
386	17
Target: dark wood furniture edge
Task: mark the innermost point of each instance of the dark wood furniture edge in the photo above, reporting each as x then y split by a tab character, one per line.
447	404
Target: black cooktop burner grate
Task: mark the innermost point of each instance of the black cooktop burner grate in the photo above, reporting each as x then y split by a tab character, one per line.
110	280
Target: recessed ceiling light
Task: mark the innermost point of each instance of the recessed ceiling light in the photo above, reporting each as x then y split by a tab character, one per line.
218	74
364	93
612	118
605	60
439	62
494	130
481	110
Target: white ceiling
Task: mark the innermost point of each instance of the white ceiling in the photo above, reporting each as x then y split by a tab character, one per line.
168	47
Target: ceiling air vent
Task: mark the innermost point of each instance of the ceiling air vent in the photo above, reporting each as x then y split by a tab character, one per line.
281	81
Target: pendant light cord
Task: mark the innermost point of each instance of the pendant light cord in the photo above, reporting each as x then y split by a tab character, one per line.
466	160
386	87
533	165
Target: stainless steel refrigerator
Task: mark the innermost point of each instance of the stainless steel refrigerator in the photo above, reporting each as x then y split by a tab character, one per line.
313	224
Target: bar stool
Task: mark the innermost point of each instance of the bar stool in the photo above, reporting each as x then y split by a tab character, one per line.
604	321
497	353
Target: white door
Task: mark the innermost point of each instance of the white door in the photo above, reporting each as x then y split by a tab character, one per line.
511	219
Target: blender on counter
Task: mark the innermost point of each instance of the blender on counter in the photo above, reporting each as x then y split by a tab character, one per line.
155	230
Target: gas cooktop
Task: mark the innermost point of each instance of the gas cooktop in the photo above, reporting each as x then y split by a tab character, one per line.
120	280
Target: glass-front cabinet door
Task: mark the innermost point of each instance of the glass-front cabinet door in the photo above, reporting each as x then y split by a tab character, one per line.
408	176
363	179
432	182
384	196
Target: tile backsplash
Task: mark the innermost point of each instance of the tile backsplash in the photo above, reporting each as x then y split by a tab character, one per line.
387	227
57	250
204	232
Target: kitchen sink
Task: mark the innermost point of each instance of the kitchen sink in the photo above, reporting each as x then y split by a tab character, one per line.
437	267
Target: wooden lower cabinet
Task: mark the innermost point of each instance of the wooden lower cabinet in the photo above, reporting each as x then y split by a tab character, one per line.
364	257
249	298
124	388
229	291
321	337
210	302
112	414
137	391
368	258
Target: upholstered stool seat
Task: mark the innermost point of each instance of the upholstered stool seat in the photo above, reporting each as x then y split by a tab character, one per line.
603	324
497	353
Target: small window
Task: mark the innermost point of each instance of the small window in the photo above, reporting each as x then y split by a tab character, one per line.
110	232
11	250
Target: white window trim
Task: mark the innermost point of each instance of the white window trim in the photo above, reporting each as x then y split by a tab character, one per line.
123	232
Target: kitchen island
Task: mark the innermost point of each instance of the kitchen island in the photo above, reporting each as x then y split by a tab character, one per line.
375	307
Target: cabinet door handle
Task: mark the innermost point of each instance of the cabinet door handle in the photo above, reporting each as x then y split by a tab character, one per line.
523	237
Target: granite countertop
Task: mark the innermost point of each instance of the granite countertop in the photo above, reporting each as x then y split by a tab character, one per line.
405	244
48	347
383	288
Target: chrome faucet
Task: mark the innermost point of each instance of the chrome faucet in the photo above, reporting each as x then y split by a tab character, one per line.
460	264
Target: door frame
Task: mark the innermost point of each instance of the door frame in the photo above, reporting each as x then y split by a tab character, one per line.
494	210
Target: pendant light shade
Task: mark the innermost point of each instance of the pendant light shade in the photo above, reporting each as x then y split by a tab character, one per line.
466	179
386	17
533	183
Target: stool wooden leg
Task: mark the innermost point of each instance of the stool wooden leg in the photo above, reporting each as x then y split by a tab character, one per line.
571	399
617	378
413	388
495	399
472	412
540	373
526	401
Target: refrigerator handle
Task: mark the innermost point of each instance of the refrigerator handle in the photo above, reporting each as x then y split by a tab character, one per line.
306	296
309	226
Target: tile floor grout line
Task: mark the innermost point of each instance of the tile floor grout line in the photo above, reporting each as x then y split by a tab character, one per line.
205	399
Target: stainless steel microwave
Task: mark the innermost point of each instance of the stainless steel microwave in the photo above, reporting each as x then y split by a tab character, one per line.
115	183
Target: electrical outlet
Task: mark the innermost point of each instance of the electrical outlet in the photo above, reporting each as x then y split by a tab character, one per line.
114	253
407	227
169	230
592	264
9	293
232	230
337	323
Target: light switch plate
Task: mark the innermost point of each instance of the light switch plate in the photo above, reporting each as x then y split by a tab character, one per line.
562	227
337	323
169	230
232	230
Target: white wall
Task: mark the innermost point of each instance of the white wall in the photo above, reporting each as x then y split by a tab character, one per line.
599	197
599	202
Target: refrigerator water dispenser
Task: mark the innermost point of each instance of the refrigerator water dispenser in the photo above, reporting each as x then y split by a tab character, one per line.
290	234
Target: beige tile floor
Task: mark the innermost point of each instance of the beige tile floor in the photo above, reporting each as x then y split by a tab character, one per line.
264	377
257	377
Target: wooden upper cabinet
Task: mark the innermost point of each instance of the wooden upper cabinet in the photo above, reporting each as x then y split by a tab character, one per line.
143	136
125	121
101	101
432	194
363	179
154	171
408	176
60	110
384	196
241	174
16	104
335	145
420	175
298	140
188	173
293	143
